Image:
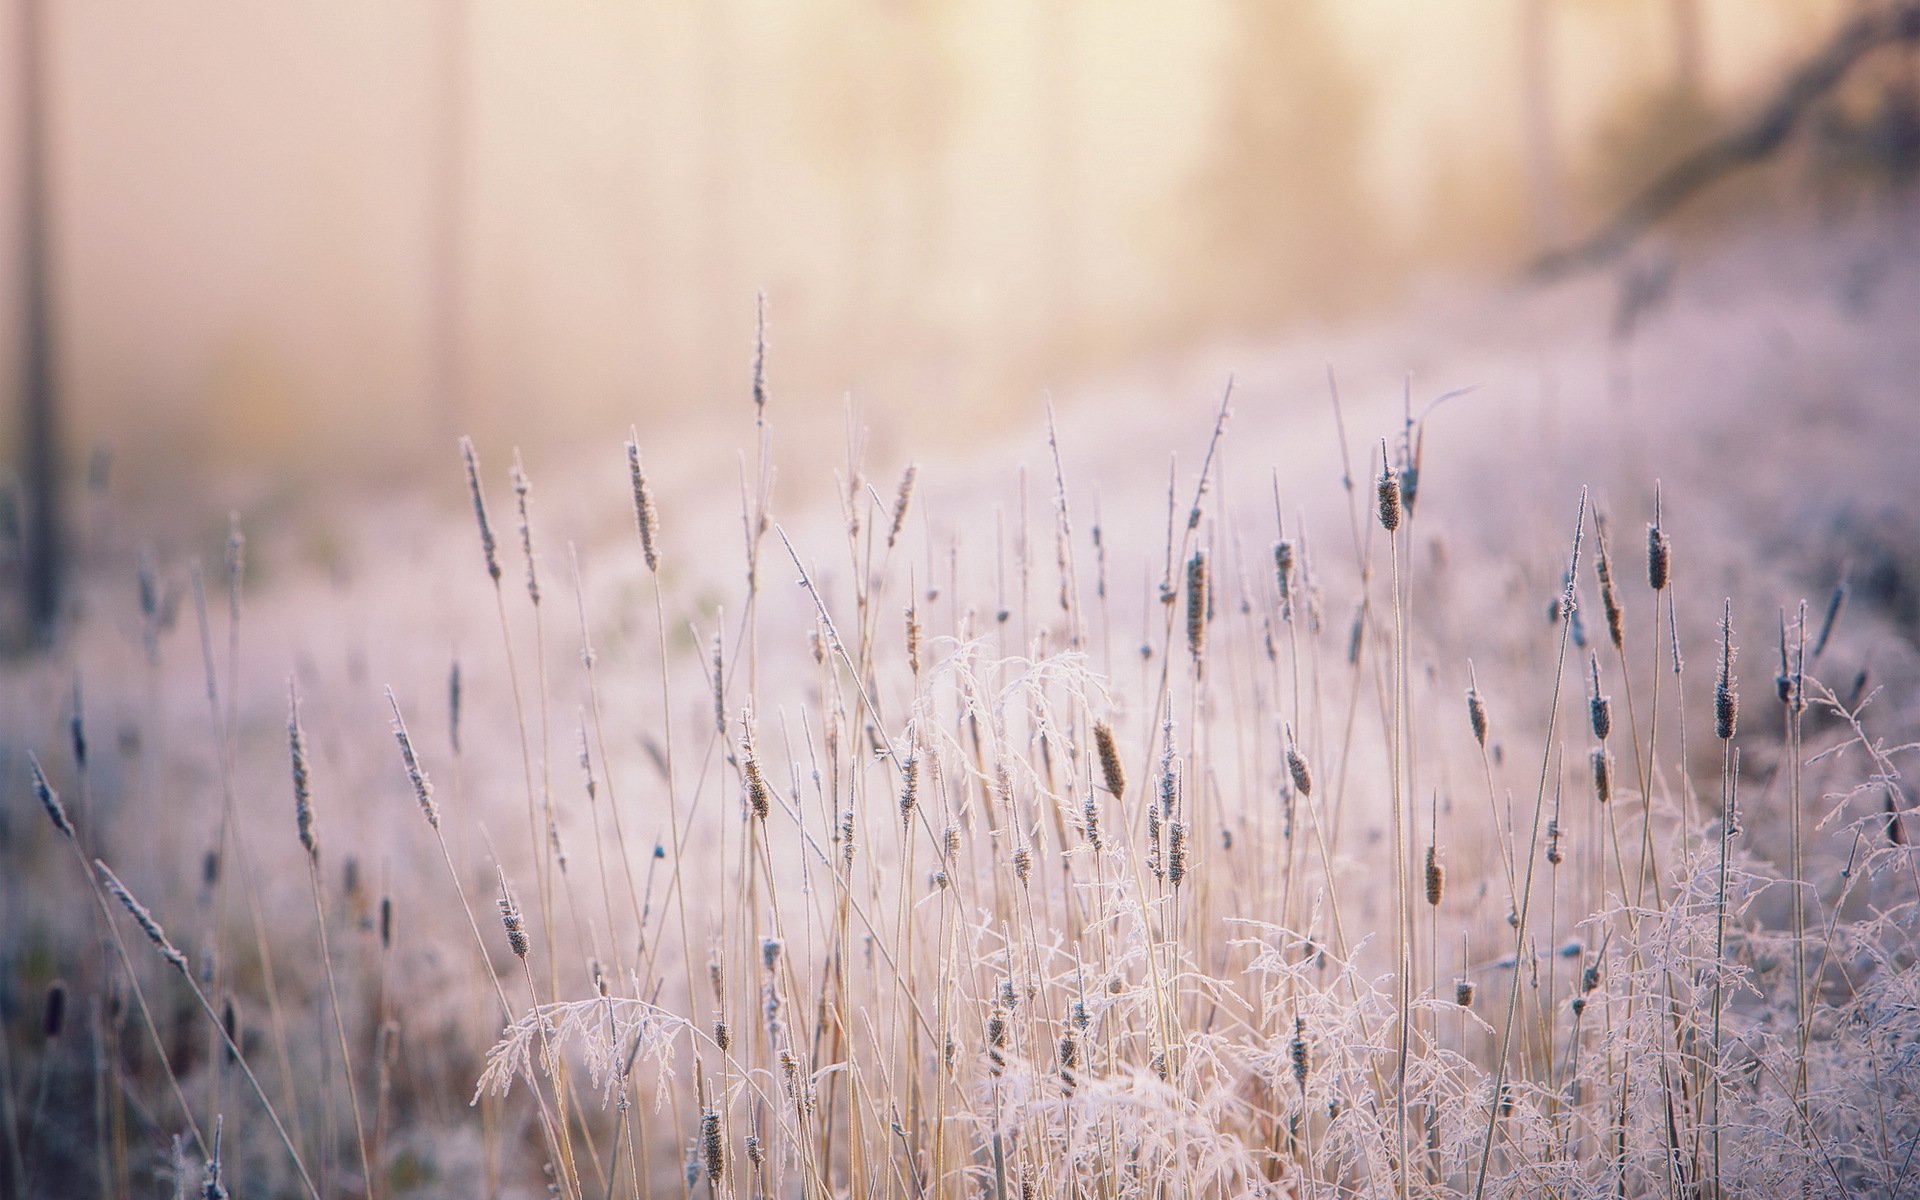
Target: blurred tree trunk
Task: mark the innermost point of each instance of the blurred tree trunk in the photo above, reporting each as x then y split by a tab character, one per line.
40	435
447	259
1536	100
1689	47
1054	83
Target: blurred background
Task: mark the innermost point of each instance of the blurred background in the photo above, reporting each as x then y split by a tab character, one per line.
252	246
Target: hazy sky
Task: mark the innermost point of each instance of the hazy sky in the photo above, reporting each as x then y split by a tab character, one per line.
935	195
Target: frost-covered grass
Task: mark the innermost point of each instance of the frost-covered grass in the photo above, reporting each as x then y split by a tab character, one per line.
689	880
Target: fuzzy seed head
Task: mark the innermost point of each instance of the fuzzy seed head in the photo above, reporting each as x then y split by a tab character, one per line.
142	918
902	497
302	783
1602	774
1299	1052
422	786
49	799
487	547
714	1144
1297	768
54	1018
1387	490
759	799
909	787
522	487
1112	774
1436	877
1477	715
1463	992
1197	601
1283	575
645	517
1176	852
515	926
1726	697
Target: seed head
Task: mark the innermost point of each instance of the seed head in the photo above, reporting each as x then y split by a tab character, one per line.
1602	774
1463	992
1436	877
142	918
644	515
1176	852
1022	863
54	1018
902	497
1387	488
909	787
1297	767
1197	601
1299	1052
487	547
422	786
302	784
1659	550
1283	575
713	1140
522	486
49	799
510	918
1726	699
1111	772
1477	715
1599	707
759	801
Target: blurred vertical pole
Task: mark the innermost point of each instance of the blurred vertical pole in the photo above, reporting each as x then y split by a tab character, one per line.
723	308
1689	47
1536	100
447	256
1055	86
40	434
